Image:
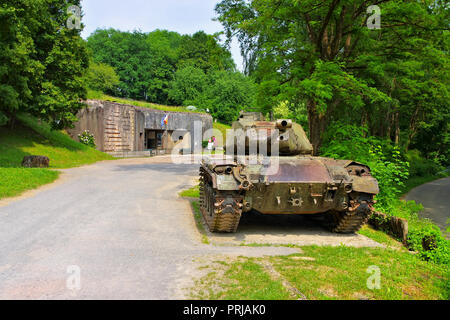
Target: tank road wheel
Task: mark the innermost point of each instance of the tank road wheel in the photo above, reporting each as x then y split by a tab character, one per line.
355	218
221	211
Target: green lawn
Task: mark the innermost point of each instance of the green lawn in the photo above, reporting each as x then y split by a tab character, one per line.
193	192
29	137
13	181
325	273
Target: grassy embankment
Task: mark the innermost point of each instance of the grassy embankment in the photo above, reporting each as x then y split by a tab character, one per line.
29	137
143	104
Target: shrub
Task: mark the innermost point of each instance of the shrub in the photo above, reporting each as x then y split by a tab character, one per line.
87	139
387	165
421	167
391	169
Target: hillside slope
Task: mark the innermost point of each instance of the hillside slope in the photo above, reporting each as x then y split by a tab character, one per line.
30	137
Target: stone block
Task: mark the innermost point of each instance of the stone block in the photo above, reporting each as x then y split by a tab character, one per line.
397	227
36	162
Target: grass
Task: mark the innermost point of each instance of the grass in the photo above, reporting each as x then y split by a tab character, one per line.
243	279
333	273
193	192
327	273
143	104
199	221
29	137
32	138
381	237
13	181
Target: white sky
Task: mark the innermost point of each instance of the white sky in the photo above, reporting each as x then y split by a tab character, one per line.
182	16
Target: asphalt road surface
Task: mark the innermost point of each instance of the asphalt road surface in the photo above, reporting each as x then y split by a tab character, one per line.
435	197
115	230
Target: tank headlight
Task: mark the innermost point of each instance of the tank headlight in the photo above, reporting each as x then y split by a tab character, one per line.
348	188
223	170
284	124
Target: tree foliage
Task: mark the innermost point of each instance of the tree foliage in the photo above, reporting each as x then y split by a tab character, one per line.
168	68
147	62
102	77
42	62
322	53
222	93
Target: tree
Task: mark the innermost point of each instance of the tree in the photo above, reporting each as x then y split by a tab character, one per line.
42	61
204	51
102	77
322	53
226	94
147	62
188	84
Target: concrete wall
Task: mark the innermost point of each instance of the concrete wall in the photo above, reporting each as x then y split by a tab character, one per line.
118	127
91	119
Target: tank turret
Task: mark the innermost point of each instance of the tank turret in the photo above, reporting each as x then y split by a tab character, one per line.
290	136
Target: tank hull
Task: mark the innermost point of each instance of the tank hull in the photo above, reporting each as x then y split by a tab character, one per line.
290	185
272	171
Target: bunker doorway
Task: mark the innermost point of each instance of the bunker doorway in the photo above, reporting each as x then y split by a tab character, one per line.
156	139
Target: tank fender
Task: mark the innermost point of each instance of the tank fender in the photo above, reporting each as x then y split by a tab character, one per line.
363	181
367	184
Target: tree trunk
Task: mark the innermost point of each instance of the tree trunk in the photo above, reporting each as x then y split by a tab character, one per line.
11	121
316	126
412	127
389	125
397	128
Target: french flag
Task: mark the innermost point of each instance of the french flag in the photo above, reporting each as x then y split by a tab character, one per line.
165	120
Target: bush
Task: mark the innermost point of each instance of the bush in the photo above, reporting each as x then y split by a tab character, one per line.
423	236
387	165
391	169
87	139
421	167
102	77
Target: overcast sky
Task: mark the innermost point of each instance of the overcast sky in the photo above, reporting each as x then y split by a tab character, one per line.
182	16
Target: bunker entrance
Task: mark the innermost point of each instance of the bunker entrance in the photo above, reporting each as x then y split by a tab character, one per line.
157	139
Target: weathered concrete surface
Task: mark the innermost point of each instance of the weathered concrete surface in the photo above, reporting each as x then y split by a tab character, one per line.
120	127
299	230
123	225
434	196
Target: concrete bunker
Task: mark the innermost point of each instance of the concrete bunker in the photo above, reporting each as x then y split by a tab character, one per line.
121	129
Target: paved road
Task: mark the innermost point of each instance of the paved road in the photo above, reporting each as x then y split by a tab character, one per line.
122	224
435	197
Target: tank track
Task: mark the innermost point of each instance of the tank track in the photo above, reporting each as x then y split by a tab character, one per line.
351	221
221	211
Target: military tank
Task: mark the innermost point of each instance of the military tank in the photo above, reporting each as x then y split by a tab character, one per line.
342	190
